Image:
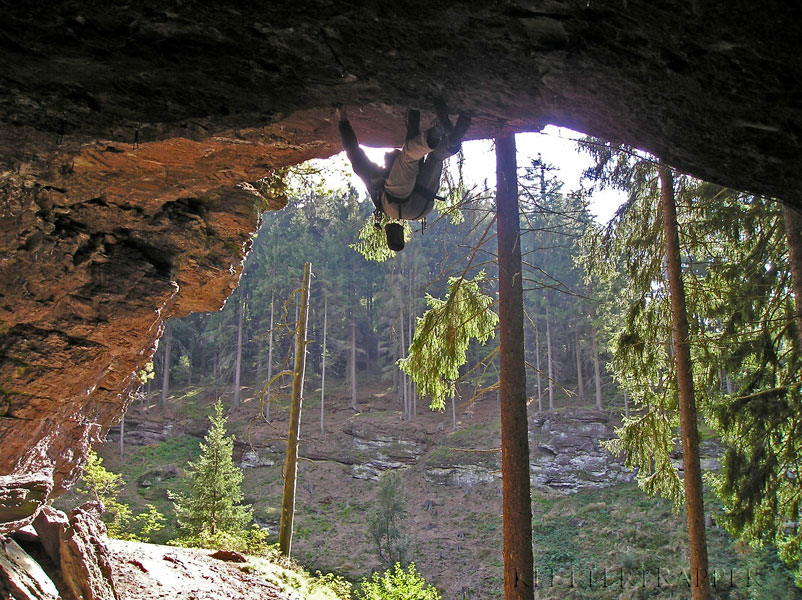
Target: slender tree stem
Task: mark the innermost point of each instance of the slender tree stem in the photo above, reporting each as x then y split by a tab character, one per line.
793	235
291	464
323	359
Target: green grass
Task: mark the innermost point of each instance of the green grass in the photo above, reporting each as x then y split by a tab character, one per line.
621	528
192	402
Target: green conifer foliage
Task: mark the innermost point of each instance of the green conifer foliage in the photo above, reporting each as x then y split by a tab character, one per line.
213	503
442	336
385	520
743	338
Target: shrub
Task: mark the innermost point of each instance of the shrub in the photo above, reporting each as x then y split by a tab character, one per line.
104	486
385	520
397	584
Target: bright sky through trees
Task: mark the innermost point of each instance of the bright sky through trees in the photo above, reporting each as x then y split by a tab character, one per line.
557	147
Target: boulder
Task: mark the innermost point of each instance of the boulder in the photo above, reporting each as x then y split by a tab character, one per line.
229	556
21	496
252	459
77	543
21	577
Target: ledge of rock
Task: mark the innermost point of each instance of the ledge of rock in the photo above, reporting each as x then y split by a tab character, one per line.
126	132
378	447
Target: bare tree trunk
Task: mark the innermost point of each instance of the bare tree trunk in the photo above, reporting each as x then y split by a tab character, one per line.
410	392
413	390
291	464
353	361
537	364
516	501
404	387
548	358
580	382
166	366
688	418
269	357
189	370
454	413
323	359
597	371
260	367
122	435
238	361
793	237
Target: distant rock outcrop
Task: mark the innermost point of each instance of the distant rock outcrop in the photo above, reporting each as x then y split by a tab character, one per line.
378	448
566	454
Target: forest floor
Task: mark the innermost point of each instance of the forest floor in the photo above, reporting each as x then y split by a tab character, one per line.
598	543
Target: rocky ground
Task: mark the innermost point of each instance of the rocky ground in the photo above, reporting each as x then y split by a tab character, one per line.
148	571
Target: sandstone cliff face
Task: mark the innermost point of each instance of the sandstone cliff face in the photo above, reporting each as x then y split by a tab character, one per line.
125	130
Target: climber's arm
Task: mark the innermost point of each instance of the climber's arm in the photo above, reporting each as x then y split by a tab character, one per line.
360	162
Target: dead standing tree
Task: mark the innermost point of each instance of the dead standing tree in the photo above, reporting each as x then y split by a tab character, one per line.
291	464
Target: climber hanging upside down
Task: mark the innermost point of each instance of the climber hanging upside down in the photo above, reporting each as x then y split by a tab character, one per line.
406	186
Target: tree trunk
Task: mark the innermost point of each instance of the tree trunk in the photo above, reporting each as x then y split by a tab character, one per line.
454	413
793	237
410	389
688	417
259	363
580	382
122	435
404	388
597	372
413	392
516	502
626	403
166	366
537	364
548	358
353	361
238	361
291	464
189	370
323	359
269	357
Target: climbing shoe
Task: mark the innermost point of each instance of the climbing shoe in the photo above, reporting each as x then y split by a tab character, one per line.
454	139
